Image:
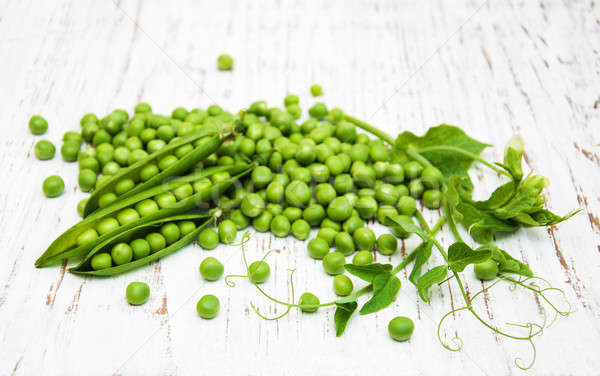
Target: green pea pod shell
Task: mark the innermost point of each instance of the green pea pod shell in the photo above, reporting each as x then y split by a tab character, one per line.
84	267
206	142
65	246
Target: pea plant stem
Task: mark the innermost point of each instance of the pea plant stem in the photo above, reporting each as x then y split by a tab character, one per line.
475	157
371	129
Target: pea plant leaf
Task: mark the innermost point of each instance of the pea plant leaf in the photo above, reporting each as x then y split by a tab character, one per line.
409	227
423	252
368	272
432	277
507	263
460	255
342	315
385	289
439	146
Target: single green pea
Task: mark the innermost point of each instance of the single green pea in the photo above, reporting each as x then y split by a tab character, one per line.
211	269
259	108
261	176
186	227
406	205
252	205
342	285
124	185
364	238
486	271
318	110
38	125
107	199
398	231
362	258
280	226
309	302
179	113
292	213
317	248
142	108
313	214
101	261
300	229
306	154
86	179
343	184
240	220
81	206
432	178
275	161
364	176
339	209
387	244
167	161
208	239
386	194
183	150
202	185
432	198
155	145
214	110
401	328
121	254
323	152
362	139
329	223
53	186
86	237
319	172
366	207
327	234
294	110
208	306
352	224
107	225
301	174
90	163
291	99
297	194
258	272
140	248
275	192
225	62
247	146
156	241
316	90
385	211
88	118
227	231
344	243
333	263
346	132
127	216
165	200
394	173
380	168
183	191
262	223
379	153
137	293
412	169
121	155
133	143
171	232
111	168
69	151
101	137
325	193
44	150
416	188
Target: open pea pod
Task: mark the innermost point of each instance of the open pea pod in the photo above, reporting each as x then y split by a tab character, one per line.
66	245
206	141
85	267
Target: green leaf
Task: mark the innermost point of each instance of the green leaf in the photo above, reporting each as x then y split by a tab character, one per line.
507	263
460	255
449	162
499	197
423	252
368	272
432	277
385	289
409	227
342	314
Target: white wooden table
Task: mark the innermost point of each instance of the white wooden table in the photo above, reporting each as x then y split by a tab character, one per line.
493	67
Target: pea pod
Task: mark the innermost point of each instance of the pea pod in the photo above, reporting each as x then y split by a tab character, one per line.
206	142
66	245
85	268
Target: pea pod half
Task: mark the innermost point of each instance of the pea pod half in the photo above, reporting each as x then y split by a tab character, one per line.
107	222
148	172
139	232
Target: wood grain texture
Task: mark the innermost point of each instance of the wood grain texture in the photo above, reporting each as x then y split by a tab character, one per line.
495	68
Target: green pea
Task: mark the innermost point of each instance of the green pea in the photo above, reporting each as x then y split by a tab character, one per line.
53	186
342	285
262	223
101	261
140	248
208	239
171	232
366	192
81	206
385	211
366	207
329	223
346	132
300	229
275	192
127	216
412	169
167	161
387	244
179	113
261	176
364	177
352	224
432	178
319	172
186	227
225	62
306	154
211	269
379	153
123	186
325	193
343	183
227	231
416	188
183	191
121	155
327	234
364	238
309	302
280	226
156	241
486	271
401	328
106	199
316	90
258	272
386	194
208	306
86	237
44	150
314	214
252	205
397	230
317	248
137	293
297	194
406	205
359	152
165	200
121	254
107	225
111	168
69	151
301	174
333	263
362	258
101	137
155	145
318	111
339	209
432	198
86	179
38	125
240	220
90	163
344	243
